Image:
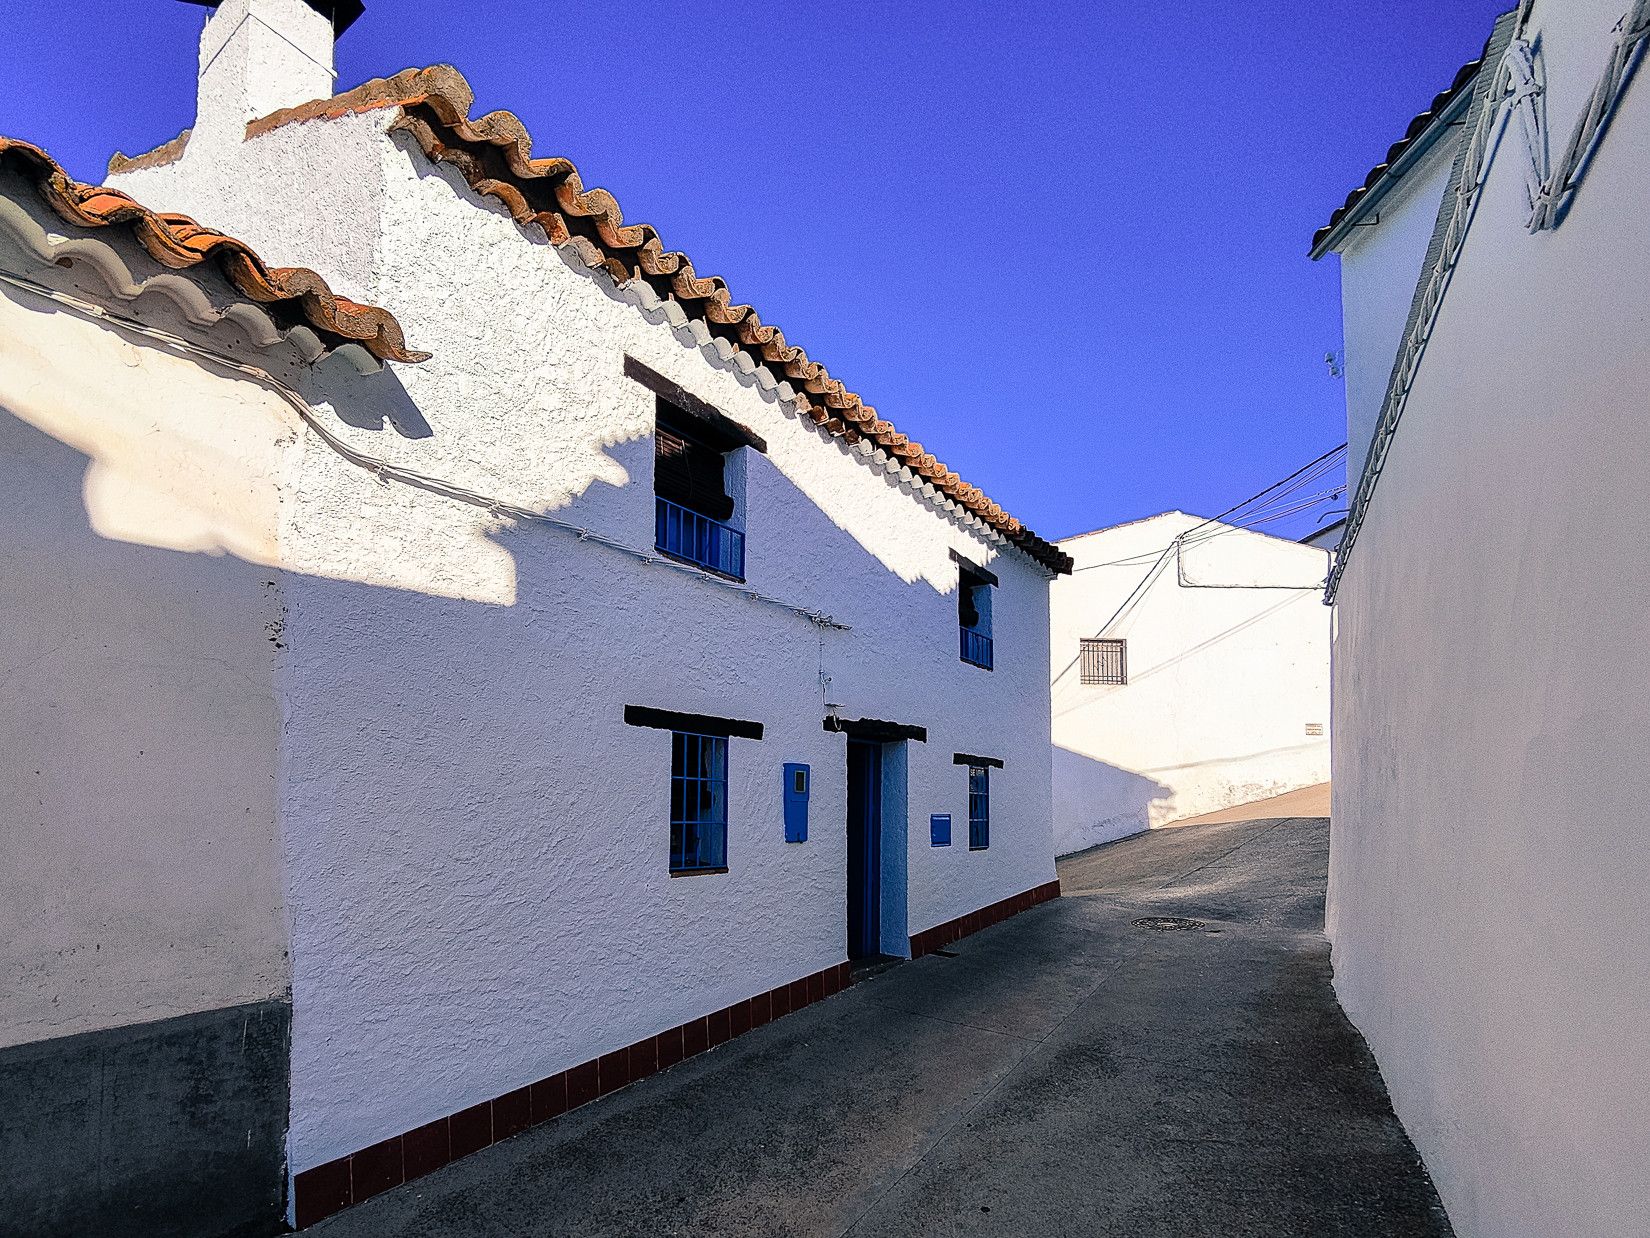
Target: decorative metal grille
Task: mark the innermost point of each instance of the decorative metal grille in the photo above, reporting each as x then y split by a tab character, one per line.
1105	661
698	539
698	802
979	807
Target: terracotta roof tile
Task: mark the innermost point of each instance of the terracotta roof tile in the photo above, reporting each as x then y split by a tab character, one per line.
1420	125
494	154
178	242
165	153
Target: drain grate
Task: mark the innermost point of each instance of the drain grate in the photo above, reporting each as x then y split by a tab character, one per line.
1166	924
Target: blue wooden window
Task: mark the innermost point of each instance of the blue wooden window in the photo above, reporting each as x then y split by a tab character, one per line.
974	618
979	807
685	534
698	802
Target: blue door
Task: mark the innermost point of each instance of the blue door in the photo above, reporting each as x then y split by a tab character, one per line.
864	848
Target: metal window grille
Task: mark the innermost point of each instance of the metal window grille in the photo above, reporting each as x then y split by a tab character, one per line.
976	647
979	807
687	535
1105	661
698	802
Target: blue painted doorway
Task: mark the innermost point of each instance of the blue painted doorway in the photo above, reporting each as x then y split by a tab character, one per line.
864	849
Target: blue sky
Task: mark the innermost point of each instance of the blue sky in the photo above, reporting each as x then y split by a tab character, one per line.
1062	245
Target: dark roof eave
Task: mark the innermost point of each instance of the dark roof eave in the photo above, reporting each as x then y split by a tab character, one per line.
1424	131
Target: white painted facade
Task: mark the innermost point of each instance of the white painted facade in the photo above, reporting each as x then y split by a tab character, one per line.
475	844
1489	863
1227	656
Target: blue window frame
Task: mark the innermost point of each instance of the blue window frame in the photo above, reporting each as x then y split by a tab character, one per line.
698	803
974	618
685	534
979	807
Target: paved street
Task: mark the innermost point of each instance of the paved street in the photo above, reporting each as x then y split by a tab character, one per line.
1068	1072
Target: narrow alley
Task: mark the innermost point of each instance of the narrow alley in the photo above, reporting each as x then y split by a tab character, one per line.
1076	1070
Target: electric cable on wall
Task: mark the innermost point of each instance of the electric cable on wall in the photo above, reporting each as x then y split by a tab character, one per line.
388	472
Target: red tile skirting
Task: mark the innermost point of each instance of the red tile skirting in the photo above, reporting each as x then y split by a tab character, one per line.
328	1188
941	935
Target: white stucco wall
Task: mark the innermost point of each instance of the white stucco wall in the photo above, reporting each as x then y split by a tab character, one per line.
476	843
1223	681
1380	263
139	623
1489	864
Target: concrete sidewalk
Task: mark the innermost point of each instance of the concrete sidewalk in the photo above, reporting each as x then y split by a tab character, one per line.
1068	1072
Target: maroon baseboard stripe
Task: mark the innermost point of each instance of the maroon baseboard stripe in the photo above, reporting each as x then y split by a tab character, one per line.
941	935
319	1192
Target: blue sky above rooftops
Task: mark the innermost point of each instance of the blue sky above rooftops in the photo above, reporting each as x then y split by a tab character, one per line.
1063	245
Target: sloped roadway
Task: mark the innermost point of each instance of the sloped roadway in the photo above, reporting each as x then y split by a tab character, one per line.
1068	1072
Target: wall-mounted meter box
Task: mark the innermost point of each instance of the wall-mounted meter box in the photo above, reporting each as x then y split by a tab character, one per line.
939	830
797	780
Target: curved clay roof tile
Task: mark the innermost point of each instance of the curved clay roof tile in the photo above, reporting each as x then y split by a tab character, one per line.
435	104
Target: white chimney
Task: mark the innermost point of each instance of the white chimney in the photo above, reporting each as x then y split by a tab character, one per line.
259	56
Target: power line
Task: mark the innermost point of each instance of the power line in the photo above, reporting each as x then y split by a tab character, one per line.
1265	515
1302	476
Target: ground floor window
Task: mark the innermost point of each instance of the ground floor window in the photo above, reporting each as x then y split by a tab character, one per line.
979	807
698	802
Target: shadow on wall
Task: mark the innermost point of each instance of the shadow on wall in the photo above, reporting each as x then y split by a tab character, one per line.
142	873
429	738
1095	802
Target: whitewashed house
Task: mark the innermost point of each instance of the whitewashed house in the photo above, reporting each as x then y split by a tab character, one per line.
1489	898
1190	672
556	707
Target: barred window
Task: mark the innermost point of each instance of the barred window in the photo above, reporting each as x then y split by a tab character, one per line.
1105	661
698	803
979	807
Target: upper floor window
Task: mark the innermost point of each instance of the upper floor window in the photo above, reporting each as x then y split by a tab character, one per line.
974	585
692	506
1104	661
698	477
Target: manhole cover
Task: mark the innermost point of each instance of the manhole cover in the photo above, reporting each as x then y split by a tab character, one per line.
1166	923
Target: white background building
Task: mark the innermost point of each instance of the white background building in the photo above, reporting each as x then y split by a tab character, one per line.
1190	671
461	657
1489	862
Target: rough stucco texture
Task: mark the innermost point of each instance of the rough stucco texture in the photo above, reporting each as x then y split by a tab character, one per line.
1489	858
1224	677
476	845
